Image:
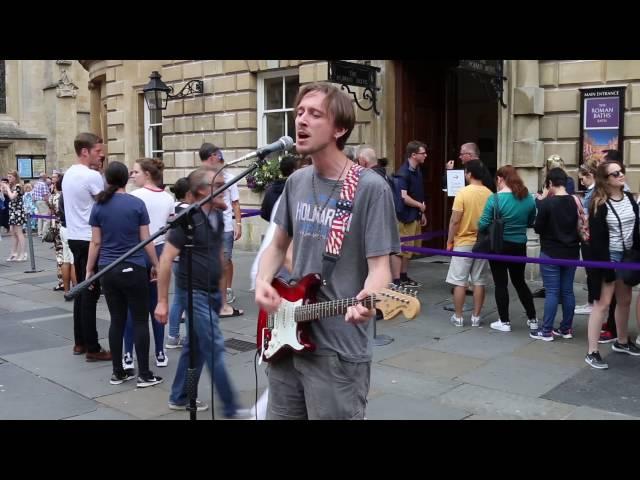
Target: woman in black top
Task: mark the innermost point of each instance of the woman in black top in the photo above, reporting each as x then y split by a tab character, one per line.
557	223
613	225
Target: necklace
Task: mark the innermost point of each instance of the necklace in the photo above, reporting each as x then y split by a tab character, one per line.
316	230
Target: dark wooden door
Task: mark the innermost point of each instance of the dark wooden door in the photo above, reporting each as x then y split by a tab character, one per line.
424	90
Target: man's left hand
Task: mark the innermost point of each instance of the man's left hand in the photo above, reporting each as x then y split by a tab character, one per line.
423	221
237	231
359	313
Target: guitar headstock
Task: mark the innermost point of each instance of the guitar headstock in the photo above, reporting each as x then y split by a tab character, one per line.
395	300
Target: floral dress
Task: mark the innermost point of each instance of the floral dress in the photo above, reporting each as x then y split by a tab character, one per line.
16	208
54	205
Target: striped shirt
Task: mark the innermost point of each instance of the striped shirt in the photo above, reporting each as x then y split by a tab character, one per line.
40	191
624	209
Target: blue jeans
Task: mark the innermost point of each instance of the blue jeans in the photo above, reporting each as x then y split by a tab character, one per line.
158	328
175	312
210	349
558	283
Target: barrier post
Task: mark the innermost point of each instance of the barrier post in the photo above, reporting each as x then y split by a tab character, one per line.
32	256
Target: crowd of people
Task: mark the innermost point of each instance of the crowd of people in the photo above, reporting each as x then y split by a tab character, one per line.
323	211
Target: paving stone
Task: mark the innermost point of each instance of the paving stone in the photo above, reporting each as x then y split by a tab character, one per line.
437	364
517	375
482	342
397	407
103	413
390	380
490	402
44	400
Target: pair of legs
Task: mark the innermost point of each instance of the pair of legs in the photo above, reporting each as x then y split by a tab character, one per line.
151	302
501	271
317	387
176	310
558	282
227	246
464	271
66	269
400	262
209	346
125	289
601	307
18	246
84	305
43	223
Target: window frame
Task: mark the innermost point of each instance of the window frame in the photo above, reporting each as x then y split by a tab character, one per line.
262	111
150	130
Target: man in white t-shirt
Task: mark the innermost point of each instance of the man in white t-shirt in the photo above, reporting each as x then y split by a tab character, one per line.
81	183
212	155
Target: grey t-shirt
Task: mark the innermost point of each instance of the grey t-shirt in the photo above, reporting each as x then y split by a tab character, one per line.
372	232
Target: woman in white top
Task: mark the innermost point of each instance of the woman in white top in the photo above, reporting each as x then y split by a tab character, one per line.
147	176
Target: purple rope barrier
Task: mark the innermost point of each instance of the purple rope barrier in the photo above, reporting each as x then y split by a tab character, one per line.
424	236
510	258
50	217
247	212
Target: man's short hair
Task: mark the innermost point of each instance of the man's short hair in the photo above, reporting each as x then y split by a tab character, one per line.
472	148
556	177
613	155
476	169
368	153
414	146
86	140
288	165
208	149
198	179
338	105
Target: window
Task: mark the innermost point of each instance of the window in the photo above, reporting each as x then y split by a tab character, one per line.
276	93
3	89
152	132
30	166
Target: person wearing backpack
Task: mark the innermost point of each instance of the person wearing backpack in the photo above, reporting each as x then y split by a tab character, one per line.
410	209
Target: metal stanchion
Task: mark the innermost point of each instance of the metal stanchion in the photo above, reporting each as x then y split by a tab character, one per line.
32	256
380	340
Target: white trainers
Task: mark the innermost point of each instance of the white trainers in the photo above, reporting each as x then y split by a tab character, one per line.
127	361
499	325
231	297
458	322
162	360
583	309
533	323
638	340
475	321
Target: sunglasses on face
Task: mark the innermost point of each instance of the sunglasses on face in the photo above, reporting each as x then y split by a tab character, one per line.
616	174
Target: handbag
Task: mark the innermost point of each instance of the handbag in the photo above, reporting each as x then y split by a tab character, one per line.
583	222
629	277
50	236
491	240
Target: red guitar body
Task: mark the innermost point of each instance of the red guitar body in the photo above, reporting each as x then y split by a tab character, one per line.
300	293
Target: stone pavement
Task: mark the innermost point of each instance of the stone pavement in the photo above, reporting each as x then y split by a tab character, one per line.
432	370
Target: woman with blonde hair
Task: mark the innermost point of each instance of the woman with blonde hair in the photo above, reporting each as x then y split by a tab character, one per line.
613	226
13	191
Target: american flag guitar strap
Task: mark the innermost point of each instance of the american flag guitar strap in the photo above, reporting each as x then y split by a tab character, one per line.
341	219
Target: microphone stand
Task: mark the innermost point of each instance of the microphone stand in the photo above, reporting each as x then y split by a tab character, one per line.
183	220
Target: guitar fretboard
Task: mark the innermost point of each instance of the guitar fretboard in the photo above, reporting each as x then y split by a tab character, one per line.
314	311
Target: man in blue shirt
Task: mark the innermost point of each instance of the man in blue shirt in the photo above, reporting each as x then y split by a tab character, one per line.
412	218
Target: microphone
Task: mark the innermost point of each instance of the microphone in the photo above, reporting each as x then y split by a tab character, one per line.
283	143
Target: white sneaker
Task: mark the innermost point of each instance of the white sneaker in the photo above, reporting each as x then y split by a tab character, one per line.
533	323
162	360
230	295
499	325
638	340
127	361
475	321
458	322
583	309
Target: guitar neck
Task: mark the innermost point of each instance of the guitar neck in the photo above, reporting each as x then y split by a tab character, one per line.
315	311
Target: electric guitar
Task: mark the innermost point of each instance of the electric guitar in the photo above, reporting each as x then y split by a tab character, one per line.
285	329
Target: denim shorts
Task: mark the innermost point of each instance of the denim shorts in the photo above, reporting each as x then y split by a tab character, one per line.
616	256
227	245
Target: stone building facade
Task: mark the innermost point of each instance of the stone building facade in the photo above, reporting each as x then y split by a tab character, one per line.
43	106
246	104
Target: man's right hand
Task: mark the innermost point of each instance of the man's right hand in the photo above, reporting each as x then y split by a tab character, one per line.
267	297
162	312
450	164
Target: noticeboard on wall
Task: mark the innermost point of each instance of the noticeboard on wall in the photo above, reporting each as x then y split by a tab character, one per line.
601	121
